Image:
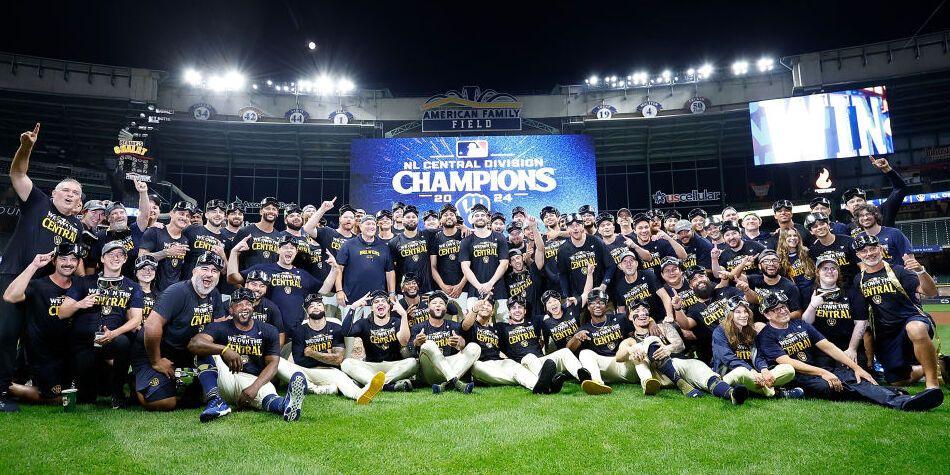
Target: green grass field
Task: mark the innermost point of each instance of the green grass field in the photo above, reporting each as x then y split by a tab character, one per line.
496	430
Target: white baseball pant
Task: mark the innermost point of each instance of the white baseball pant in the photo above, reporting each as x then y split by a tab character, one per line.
436	368
230	385
363	371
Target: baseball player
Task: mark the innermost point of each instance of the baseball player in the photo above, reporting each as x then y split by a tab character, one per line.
318	351
492	366
598	340
246	354
384	335
663	355
444	356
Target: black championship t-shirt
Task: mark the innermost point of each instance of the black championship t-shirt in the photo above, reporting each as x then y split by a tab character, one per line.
38	231
518	340
890	308
114	297
262	247
411	255
606	336
379	341
169	269
730	257
253	345
484	256
44	327
322	340
846	258
485	336
560	330
446	249
185	314
440	335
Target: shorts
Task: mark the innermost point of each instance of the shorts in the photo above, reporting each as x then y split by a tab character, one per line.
896	352
155	386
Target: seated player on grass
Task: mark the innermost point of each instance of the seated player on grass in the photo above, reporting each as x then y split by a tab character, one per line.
598	340
796	342
660	361
383	335
493	367
317	351
739	361
444	356
246	354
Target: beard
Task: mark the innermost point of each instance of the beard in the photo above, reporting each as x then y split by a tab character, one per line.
294	226
270	218
704	290
769	273
198	283
438	315
411	294
236	222
410	226
317	315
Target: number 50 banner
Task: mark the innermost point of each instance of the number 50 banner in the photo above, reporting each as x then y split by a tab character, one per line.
500	172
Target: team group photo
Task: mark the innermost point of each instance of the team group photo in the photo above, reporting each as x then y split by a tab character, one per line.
264	244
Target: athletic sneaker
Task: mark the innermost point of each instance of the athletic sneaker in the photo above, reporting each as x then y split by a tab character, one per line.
924	401
372	389
543	385
687	388
594	388
738	394
216	408
463	387
583	375
557	382
442	387
651	386
694	394
119	402
7	404
403	385
296	389
793	393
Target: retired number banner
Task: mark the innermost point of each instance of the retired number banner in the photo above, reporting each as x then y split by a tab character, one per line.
500	172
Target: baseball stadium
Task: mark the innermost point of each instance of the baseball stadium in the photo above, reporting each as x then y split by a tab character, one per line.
736	261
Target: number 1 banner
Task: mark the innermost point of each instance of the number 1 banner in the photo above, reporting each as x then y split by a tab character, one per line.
500	172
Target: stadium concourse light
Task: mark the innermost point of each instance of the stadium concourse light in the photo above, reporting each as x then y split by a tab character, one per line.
765	64
740	68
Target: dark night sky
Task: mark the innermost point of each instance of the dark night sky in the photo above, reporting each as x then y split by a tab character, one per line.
424	48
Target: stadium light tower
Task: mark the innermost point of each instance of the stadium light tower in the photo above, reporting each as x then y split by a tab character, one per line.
765	64
705	71
740	68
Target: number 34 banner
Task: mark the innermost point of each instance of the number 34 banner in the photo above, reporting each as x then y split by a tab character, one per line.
500	172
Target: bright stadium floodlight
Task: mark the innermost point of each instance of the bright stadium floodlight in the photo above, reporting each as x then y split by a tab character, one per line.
593	80
323	85
667	75
641	78
345	86
765	64
234	81
705	71
312	46
192	77
254	86
740	68
690	72
216	83
270	83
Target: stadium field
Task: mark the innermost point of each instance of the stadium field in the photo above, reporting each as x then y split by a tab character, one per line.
496	430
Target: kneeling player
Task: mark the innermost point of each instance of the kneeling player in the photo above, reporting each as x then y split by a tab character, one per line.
794	342
663	354
739	361
384	335
492	366
246	354
444	357
317	351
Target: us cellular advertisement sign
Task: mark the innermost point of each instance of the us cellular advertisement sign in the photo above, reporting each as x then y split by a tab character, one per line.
532	171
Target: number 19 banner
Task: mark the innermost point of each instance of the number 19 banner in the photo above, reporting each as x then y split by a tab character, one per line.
500	172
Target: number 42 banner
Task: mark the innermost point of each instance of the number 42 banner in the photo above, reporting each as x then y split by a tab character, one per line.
500	172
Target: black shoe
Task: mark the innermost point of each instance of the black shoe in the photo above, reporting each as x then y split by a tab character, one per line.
738	395
924	401
543	386
119	402
7	404
583	375
557	382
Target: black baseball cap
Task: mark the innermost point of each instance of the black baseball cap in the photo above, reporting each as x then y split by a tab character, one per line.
605	216
826	257
772	300
209	258
782	204
625	211
384	213
864	240
673	214
853	192
258	275
430	213
812	218
287	239
696	212
819	200
729	226
291	209
640	217
438	294
586	209
409	277
597	294
573	218
242	295
446	208
518	210
478	207
550	294
233	207
514	251
184	206
515	226
410	209
669	261
398	205
519	300
270	201
693	271
216	204
496	216
68	248
312	299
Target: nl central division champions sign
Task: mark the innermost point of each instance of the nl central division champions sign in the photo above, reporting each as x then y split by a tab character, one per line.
500	172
